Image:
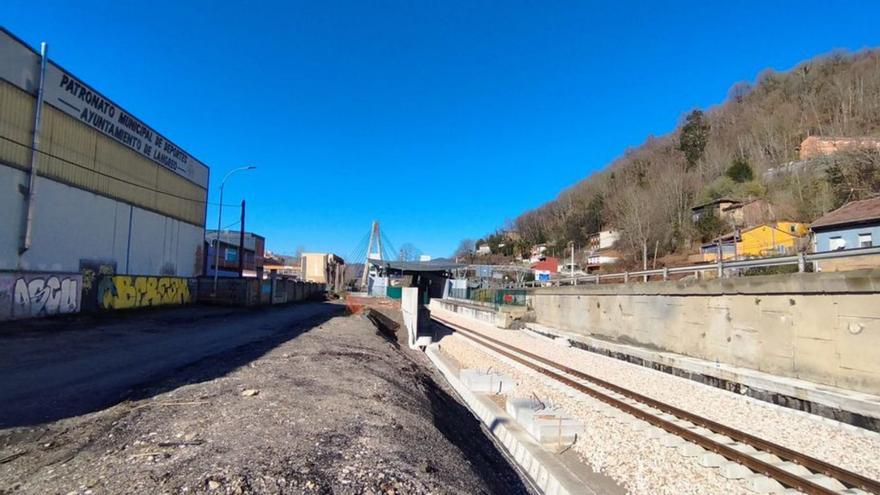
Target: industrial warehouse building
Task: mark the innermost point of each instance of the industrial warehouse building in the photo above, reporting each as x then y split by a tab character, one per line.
109	191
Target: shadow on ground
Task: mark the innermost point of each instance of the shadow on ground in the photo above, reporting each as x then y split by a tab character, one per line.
59	368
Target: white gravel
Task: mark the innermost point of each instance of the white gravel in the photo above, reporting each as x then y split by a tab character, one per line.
638	463
837	443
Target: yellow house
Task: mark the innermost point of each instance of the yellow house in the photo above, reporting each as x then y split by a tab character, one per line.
768	239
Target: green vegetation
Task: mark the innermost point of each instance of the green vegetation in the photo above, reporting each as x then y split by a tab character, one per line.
740	171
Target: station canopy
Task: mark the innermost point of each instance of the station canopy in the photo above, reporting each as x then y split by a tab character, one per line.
417	266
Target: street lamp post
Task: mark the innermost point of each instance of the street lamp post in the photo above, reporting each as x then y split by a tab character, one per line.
219	217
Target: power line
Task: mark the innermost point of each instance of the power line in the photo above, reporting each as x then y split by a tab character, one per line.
65	160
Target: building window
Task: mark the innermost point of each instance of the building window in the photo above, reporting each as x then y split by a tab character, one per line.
865	240
231	254
836	243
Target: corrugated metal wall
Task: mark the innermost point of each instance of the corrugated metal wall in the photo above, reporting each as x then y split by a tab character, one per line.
102	165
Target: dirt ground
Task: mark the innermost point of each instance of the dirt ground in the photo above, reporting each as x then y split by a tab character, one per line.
330	408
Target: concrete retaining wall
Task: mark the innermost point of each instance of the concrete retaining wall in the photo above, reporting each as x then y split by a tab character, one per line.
35	294
821	327
255	292
127	292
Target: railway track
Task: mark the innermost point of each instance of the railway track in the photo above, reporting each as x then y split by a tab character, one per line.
737	446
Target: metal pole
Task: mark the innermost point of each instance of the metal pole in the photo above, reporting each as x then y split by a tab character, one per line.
219	225
27	236
241	245
217	238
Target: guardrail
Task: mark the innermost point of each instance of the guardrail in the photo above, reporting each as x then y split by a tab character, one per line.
719	267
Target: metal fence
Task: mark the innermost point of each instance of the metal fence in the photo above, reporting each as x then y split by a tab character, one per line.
497	297
720	268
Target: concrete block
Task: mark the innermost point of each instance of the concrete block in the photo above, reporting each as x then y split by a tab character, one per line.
523	409
546	425
555	427
713	460
655	433
744	448
689	449
734	471
762	484
486	383
724	440
827	482
670	440
768	458
853	491
699	430
795	469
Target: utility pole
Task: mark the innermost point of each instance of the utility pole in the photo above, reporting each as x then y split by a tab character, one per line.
241	245
571	268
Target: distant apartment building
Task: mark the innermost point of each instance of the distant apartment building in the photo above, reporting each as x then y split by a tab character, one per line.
484	249
854	225
601	249
323	268
288	266
234	258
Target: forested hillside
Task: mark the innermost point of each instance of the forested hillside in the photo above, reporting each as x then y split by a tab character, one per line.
726	150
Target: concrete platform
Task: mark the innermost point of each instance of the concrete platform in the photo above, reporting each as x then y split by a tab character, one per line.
552	473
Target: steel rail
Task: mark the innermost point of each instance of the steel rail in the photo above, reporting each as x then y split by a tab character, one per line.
848	478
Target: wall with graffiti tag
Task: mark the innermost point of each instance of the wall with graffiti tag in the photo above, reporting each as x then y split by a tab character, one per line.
36	294
132	291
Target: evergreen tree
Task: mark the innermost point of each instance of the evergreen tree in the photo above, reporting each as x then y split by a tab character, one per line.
693	137
740	171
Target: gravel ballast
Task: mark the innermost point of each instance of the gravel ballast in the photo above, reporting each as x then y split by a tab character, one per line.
849	447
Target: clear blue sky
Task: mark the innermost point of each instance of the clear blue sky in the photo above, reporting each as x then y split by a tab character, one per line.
441	119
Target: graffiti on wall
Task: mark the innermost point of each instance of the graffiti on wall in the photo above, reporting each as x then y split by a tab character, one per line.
28	295
126	291
91	271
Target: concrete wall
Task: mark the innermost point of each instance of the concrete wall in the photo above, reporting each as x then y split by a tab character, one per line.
255	292
822	327
127	292
29	295
71	224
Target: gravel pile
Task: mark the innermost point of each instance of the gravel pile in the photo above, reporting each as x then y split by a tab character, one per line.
837	443
335	408
609	446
